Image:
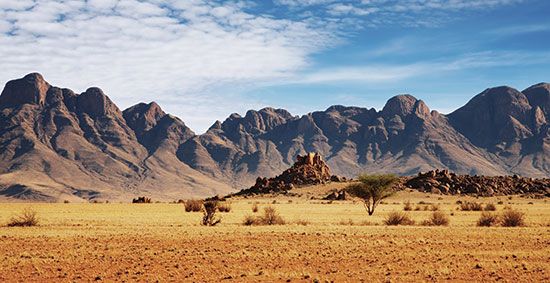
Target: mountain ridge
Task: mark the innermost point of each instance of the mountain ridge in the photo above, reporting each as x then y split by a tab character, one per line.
57	144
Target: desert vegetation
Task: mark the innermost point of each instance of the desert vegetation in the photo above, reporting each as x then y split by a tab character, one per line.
437	218
395	218
209	217
372	189
513	218
508	218
270	216
26	218
193	205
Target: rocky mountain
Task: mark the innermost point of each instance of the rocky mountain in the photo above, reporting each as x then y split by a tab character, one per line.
56	144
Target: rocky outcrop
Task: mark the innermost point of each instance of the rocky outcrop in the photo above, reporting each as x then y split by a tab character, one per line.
309	169
445	182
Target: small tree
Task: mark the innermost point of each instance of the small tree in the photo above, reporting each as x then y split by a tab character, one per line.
372	189
209	213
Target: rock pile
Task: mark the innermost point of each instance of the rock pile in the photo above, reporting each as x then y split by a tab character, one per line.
445	182
309	169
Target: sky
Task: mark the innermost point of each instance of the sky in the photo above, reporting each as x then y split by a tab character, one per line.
203	60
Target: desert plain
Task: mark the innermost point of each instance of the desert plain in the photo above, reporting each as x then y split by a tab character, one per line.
321	241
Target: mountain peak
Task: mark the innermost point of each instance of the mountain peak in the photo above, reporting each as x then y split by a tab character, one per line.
404	105
142	116
31	89
539	96
95	103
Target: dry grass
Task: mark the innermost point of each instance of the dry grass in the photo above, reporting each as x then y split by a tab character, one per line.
437	218
471	206
513	218
224	207
398	218
27	218
488	219
193	205
160	242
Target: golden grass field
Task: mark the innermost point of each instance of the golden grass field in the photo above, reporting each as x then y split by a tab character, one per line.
340	243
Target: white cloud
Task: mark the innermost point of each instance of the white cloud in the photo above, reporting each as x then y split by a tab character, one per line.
378	74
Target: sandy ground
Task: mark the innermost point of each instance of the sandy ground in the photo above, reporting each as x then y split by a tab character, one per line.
161	242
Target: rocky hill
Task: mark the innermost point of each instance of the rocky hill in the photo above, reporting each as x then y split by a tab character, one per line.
57	144
309	169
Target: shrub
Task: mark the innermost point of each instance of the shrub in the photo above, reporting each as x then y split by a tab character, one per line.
65	201
271	217
302	222
408	206
513	218
225	207
434	207
250	220
500	202
27	218
193	205
487	219
490	207
346	222
438	218
372	189
471	206
209	213
398	218
417	208
255	207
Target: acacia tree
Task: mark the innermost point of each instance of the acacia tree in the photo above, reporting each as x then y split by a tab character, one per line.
372	189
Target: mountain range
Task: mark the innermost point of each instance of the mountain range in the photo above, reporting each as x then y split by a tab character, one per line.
56	144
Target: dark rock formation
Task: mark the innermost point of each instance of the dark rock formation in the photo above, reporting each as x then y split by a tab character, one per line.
309	169
445	182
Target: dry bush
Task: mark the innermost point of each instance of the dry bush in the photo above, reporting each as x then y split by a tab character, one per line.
209	213
490	207
512	218
255	207
417	208
193	205
224	207
471	206
27	218
302	222
500	202
271	217
398	218
346	222
488	219
408	206
438	218
250	220
434	207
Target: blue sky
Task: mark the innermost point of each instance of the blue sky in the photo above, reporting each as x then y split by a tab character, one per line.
203	60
